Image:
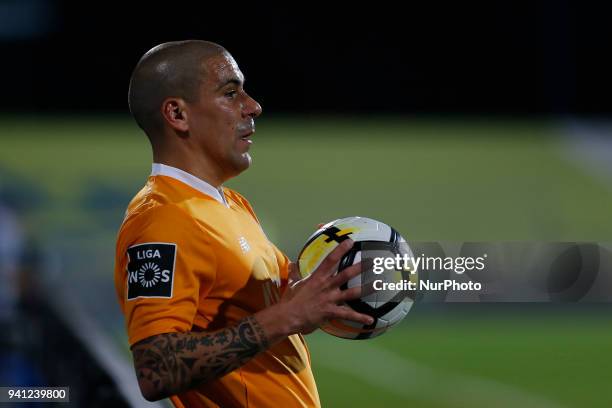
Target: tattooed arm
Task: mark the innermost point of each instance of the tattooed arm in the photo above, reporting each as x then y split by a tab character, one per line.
170	363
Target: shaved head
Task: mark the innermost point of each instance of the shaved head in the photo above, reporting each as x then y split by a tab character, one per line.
173	69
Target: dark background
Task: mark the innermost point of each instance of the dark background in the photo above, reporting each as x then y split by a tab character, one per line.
503	58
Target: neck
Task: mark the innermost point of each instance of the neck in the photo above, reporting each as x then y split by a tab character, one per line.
199	167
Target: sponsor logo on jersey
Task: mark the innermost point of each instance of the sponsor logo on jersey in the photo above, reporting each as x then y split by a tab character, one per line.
150	270
244	245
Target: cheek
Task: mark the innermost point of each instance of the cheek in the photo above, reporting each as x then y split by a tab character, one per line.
231	114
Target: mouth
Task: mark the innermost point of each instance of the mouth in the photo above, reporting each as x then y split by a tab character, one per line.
246	137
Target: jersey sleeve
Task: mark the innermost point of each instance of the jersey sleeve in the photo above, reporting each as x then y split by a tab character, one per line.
164	266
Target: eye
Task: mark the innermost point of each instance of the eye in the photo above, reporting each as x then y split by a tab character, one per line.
231	94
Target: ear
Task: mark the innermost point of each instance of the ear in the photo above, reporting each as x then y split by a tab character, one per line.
174	113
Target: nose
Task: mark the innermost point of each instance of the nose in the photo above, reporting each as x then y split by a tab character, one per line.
252	108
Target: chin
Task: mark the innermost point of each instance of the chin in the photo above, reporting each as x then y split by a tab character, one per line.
242	163
247	157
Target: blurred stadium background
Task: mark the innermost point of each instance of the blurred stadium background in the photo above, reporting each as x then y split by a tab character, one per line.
450	123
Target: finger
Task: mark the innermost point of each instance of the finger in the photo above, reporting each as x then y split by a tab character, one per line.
320	225
346	313
327	267
349	294
345	275
339	297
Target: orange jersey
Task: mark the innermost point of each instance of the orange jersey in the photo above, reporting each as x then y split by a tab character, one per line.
190	257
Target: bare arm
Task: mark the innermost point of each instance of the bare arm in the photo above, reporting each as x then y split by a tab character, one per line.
167	364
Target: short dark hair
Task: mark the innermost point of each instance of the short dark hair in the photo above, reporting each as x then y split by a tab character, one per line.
169	69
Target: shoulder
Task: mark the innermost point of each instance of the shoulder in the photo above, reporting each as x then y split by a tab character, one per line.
155	221
157	202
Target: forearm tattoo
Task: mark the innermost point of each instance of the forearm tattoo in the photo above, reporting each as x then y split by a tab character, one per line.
169	363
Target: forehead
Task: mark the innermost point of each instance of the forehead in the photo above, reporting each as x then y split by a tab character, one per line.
221	69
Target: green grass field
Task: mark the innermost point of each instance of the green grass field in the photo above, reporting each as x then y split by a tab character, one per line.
430	179
454	358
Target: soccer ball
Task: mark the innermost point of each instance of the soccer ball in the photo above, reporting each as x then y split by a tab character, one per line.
373	239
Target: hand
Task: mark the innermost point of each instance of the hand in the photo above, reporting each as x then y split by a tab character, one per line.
311	301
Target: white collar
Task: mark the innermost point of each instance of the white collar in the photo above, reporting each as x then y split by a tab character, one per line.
158	169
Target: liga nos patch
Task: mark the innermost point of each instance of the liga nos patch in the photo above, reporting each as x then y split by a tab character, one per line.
150	270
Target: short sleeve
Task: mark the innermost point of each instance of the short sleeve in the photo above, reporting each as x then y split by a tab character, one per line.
164	266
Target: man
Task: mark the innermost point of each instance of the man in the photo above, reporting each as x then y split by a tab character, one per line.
198	281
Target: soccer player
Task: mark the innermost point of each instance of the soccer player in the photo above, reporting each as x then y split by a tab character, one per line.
214	311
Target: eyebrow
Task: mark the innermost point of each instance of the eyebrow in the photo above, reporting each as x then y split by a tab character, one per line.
235	81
